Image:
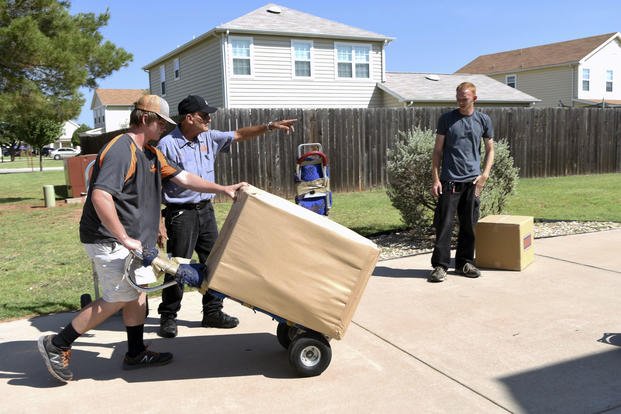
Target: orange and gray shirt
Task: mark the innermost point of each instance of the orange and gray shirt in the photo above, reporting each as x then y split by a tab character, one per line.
134	179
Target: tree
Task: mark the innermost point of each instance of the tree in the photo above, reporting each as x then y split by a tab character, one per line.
8	138
40	132
46	55
75	138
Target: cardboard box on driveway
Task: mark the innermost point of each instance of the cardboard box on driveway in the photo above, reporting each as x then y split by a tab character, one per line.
291	262
505	242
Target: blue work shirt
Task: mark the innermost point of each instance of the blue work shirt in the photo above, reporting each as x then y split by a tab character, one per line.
197	156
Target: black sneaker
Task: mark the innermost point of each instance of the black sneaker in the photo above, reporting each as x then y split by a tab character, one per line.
469	270
438	274
168	327
219	320
56	359
146	359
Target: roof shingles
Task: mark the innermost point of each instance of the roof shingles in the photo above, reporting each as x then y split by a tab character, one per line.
122	97
420	87
571	51
283	20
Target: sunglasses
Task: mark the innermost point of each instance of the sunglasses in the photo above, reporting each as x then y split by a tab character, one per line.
204	116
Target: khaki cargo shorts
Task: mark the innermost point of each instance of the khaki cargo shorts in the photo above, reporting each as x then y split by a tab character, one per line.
109	261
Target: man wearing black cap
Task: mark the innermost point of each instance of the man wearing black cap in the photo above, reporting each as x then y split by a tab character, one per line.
190	223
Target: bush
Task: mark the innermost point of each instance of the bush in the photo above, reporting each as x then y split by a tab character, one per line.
409	177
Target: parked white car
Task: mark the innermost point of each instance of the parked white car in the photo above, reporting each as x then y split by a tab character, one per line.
59	153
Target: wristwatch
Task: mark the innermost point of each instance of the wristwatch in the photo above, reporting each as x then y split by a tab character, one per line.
270	126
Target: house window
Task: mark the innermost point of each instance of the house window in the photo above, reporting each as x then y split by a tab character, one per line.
511	80
163	79
301	58
176	67
608	81
353	61
241	52
586	77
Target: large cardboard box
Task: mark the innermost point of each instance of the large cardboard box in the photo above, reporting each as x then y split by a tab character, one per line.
505	242
286	260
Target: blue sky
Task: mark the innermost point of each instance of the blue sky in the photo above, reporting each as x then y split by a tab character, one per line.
430	36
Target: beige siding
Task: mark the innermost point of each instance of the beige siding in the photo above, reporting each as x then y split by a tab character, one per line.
550	85
389	101
200	73
272	84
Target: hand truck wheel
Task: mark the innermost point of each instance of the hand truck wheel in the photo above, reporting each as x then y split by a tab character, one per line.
285	334
310	354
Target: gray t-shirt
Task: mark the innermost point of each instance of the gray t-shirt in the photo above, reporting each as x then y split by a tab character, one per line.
461	159
134	179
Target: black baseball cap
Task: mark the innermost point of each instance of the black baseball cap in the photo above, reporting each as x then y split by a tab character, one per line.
195	103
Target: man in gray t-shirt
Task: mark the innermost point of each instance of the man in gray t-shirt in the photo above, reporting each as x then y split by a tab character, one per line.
460	182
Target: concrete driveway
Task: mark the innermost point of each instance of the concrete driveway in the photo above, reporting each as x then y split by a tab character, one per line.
543	340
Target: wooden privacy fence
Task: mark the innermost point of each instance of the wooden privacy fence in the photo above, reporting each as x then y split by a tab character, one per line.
544	142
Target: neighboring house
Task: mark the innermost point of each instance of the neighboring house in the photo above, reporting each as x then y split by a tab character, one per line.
64	140
275	57
581	72
419	89
111	108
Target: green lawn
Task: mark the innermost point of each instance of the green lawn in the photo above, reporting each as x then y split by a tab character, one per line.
580	197
44	269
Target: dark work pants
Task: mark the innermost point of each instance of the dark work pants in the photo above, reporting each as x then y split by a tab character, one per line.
458	197
189	230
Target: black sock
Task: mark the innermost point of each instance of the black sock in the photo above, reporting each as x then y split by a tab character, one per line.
135	344
66	337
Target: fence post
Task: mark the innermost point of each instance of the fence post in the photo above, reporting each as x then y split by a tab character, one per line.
49	195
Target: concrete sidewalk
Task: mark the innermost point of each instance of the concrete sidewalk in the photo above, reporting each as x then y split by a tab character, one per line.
27	170
543	340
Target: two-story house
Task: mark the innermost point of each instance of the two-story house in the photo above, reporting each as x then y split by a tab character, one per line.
580	72
275	57
111	108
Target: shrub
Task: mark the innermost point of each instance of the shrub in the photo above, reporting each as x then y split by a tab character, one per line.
409	178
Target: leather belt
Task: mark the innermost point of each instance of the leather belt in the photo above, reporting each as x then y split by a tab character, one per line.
189	206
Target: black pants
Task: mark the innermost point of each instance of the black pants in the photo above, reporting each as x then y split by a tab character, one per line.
189	229
458	197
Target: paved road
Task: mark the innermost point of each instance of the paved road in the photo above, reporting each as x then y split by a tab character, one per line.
544	340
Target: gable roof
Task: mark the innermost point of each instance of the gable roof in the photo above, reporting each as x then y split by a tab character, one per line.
281	20
553	54
116	97
276	20
421	87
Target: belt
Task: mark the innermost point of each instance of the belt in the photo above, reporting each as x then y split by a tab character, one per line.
453	186
189	206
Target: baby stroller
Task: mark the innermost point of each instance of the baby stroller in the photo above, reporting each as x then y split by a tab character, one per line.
312	178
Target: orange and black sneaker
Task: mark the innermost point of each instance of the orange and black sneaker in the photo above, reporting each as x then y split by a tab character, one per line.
56	359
